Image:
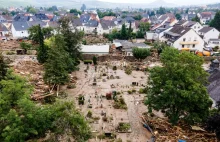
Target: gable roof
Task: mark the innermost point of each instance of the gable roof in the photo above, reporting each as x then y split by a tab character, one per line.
53	24
20	25
3	28
206	14
76	22
190	23
206	29
35	23
179	30
110	18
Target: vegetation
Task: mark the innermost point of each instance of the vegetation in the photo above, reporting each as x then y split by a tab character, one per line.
143	28
3	68
119	103
88	61
196	19
31	9
140	53
75	11
34	33
138	17
42	52
161	10
103	14
72	42
56	67
123	127
178	16
25	46
23	120
177	88
114	68
128	70
215	22
94	59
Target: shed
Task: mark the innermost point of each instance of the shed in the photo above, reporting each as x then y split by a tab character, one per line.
95	49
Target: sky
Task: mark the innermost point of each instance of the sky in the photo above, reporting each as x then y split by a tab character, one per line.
177	2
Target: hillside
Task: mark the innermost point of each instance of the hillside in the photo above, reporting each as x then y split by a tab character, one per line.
78	3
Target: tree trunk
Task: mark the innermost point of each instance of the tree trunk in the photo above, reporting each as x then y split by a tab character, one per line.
58	89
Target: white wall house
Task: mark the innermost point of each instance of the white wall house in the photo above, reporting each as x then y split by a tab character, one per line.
181	37
3	30
214	43
208	33
19	29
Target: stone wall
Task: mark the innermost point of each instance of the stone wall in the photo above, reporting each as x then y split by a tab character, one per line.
104	58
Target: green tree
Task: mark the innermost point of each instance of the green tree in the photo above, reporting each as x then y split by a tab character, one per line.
138	17
140	53
178	16
31	10
215	22
42	52
196	19
123	32
25	46
161	10
72	40
130	31
177	88
3	67
94	60
56	67
34	33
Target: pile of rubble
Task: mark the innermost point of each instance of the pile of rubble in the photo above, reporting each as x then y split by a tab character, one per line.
34	73
165	132
9	45
91	39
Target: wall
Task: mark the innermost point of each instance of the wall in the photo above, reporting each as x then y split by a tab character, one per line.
212	34
192	35
19	34
105	58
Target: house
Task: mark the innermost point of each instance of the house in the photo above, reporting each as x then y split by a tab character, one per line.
109	18
208	33
2	19
191	16
205	17
95	49
42	17
214	43
105	26
157	35
19	29
183	37
196	26
3	30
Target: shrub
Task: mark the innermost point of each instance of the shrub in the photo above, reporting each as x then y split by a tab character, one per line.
94	60
123	127
133	90
89	114
141	90
141	53
101	136
128	70
120	104
88	61
10	53
129	92
114	68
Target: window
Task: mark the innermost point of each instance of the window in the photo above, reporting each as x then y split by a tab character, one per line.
182	46
194	45
184	39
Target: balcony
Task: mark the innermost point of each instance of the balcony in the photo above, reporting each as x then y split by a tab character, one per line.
188	42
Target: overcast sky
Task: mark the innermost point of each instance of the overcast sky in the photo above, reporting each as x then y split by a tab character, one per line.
178	2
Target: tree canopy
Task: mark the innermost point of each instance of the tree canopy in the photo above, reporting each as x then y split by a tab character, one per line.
177	88
22	120
215	22
196	19
140	53
178	16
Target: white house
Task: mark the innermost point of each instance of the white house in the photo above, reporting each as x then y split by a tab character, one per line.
196	26
95	49
214	43
182	37
205	17
3	31
208	33
19	29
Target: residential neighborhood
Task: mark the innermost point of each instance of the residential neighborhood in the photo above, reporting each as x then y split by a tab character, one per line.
108	71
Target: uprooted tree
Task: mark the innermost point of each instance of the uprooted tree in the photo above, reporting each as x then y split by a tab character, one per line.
177	88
